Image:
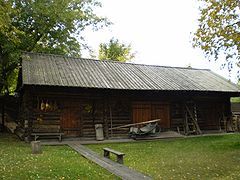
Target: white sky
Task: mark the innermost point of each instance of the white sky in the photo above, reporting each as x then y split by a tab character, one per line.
158	30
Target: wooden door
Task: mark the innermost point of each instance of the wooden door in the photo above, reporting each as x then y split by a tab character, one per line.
210	114
161	111
71	119
141	112
146	111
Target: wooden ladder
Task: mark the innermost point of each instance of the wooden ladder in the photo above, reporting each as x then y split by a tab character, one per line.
191	125
222	123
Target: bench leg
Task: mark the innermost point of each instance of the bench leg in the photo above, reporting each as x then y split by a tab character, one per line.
60	137
120	159
106	154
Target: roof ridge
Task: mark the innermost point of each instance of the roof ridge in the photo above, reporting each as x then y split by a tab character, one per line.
112	61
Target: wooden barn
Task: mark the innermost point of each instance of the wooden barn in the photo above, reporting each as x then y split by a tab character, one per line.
73	94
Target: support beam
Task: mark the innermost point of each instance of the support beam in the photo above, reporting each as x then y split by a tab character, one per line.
111	120
135	124
105	119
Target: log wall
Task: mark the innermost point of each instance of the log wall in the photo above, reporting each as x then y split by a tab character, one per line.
78	111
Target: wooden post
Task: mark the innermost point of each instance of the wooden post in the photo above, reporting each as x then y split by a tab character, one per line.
120	159
105	120
186	127
36	147
81	122
106	153
110	114
28	108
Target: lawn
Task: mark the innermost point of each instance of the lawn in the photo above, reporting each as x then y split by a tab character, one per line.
209	157
58	162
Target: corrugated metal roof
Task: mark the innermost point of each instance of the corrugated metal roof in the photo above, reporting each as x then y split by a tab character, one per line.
56	70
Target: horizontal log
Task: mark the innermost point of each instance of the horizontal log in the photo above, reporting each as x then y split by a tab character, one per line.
120	122
88	130
50	113
46	126
118	116
45	122
121	129
46	130
91	119
89	134
100	119
45	119
91	123
89	127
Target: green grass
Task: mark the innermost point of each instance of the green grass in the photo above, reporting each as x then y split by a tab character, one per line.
235	100
209	157
56	162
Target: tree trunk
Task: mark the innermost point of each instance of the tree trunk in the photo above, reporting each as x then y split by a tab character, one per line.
3	114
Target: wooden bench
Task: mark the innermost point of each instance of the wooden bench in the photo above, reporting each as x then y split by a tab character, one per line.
49	134
119	155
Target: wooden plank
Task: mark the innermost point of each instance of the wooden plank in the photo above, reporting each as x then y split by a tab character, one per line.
134	124
113	151
118	169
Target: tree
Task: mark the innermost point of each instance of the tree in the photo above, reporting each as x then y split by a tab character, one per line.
42	26
218	34
116	51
